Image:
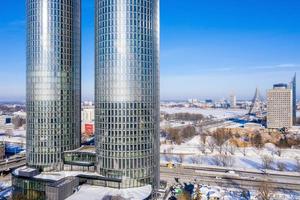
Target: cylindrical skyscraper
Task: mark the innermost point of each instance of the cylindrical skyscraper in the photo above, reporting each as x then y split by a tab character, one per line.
53	80
127	91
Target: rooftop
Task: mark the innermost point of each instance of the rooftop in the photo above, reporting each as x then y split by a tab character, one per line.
99	193
83	149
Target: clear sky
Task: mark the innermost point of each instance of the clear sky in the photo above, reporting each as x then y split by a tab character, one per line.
209	48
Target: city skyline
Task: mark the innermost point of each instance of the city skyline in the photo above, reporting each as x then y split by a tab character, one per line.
252	51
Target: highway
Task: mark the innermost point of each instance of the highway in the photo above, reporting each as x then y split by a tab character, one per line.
12	163
214	176
239	178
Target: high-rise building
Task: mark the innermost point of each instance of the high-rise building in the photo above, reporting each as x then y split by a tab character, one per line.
53	80
88	114
280	106
127	91
232	101
293	87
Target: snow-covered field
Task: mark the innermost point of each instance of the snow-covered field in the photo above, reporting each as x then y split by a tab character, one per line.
243	158
217	113
236	194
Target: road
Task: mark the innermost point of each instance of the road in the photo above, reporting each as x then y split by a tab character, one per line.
12	163
239	179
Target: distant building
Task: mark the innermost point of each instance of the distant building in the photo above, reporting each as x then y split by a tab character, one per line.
89	129
232	101
193	101
280	106
293	87
6	124
88	114
208	101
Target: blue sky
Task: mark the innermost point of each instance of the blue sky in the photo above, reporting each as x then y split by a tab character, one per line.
209	48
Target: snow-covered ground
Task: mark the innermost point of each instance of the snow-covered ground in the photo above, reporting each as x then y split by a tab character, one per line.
216	113
236	194
93	192
243	158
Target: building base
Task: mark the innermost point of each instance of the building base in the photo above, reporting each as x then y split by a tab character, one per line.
29	183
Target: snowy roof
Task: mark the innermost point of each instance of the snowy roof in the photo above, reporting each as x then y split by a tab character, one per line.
99	193
84	149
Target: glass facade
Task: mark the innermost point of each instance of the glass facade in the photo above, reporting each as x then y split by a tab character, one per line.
127	90
53	80
27	188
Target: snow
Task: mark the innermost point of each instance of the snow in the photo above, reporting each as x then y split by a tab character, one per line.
11	139
174	124
191	149
99	193
236	194
55	176
216	113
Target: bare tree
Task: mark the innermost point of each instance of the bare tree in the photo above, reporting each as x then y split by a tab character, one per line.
184	196
221	136
202	148
264	191
229	148
281	166
168	158
267	161
203	139
256	141
232	149
179	159
195	160
297	159
278	151
223	160
211	144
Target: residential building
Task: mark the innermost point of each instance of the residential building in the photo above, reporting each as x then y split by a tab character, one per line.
280	107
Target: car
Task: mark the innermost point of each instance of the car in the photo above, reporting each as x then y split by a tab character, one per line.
230	172
218	178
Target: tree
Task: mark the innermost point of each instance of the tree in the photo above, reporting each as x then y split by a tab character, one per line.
281	166
188	132
184	196
264	191
179	158
195	160
297	159
266	161
257	140
223	160
173	134
18	121
278	151
203	139
211	143
221	136
168	158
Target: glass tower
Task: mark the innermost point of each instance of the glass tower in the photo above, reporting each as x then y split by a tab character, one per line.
53	80
293	86
127	91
